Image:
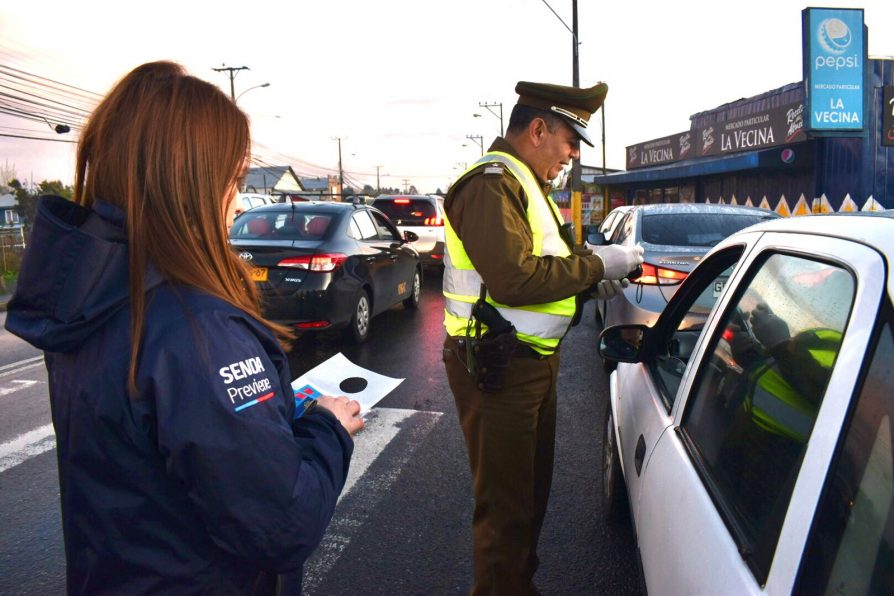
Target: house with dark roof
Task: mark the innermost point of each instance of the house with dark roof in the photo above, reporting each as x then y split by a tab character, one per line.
272	180
323	188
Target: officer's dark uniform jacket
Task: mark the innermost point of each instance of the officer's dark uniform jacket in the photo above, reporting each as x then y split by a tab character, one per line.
201	482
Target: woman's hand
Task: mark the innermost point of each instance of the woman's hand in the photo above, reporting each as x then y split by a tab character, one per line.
346	410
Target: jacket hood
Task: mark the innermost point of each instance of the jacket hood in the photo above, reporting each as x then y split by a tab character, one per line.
74	274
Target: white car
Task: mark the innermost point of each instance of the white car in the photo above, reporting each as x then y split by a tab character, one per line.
424	216
754	455
607	227
247	201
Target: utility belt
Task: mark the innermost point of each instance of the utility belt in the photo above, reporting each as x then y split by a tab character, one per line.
522	350
486	356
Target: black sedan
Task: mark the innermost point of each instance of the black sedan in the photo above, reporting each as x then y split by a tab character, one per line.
323	265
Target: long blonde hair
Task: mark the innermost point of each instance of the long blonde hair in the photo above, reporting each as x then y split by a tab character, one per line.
167	148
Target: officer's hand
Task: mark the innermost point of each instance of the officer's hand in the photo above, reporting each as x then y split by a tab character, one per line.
608	289
346	410
768	328
619	260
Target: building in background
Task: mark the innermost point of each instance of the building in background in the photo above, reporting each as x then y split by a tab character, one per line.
819	145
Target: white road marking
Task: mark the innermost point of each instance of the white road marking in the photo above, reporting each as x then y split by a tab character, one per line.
382	426
17	367
19	385
26	446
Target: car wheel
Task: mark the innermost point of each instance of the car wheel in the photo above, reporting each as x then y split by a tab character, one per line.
614	491
360	318
412	301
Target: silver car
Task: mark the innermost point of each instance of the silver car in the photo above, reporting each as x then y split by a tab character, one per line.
753	453
675	237
422	215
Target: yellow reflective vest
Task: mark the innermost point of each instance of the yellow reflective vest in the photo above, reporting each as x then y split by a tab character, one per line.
542	326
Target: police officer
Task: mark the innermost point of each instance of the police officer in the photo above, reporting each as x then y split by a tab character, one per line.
504	233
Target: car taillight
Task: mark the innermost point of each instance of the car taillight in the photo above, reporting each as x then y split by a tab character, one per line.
433	221
401	201
322	262
312	325
659	276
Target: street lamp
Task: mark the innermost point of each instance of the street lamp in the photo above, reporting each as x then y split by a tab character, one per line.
249	89
59	128
488	107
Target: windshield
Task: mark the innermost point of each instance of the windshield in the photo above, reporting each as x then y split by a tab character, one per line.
281	225
405	211
694	229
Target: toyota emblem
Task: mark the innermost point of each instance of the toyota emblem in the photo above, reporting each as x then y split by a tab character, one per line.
246	256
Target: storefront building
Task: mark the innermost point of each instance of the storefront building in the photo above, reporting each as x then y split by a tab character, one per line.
819	145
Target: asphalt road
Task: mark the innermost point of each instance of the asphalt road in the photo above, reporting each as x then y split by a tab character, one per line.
403	526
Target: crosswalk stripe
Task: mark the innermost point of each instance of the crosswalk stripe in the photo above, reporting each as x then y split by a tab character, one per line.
382	426
26	446
17	367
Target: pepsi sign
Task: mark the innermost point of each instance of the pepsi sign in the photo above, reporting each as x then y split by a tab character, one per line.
834	59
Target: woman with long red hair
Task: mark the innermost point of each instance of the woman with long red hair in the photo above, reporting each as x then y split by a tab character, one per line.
182	466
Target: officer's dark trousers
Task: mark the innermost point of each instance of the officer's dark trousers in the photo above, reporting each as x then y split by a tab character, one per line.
510	436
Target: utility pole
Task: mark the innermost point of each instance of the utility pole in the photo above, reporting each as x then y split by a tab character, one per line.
488	106
341	173
406	185
479	140
576	165
232	71
378	184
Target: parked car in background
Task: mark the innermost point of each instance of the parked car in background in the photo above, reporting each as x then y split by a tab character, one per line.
675	237
753	453
246	201
323	265
421	214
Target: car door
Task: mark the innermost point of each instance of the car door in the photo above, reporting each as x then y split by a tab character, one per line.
644	396
376	259
401	256
737	472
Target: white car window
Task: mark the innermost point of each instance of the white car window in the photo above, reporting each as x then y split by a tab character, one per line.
756	397
851	550
365	226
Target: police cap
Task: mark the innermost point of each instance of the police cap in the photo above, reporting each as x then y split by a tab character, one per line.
572	104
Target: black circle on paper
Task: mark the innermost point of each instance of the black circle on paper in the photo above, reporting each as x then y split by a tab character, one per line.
353	384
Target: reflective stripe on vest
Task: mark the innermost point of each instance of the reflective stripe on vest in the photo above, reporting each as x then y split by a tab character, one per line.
541	326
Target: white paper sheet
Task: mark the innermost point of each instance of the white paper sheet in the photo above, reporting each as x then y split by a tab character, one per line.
339	376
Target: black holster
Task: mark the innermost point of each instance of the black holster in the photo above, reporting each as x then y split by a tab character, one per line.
488	355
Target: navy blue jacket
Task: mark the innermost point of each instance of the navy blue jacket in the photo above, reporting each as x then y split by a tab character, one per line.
201	484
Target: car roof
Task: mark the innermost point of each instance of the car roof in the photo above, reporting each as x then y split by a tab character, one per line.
658	208
316	206
873	229
390	197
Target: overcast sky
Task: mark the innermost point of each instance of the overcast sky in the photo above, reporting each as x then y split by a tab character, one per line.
400	80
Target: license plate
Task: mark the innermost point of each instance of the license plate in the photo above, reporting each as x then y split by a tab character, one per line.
259	274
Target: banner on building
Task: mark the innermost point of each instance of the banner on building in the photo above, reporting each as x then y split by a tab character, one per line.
834	57
767	128
888	117
660	151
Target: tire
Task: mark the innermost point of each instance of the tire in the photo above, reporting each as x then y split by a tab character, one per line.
614	492
412	302
360	318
